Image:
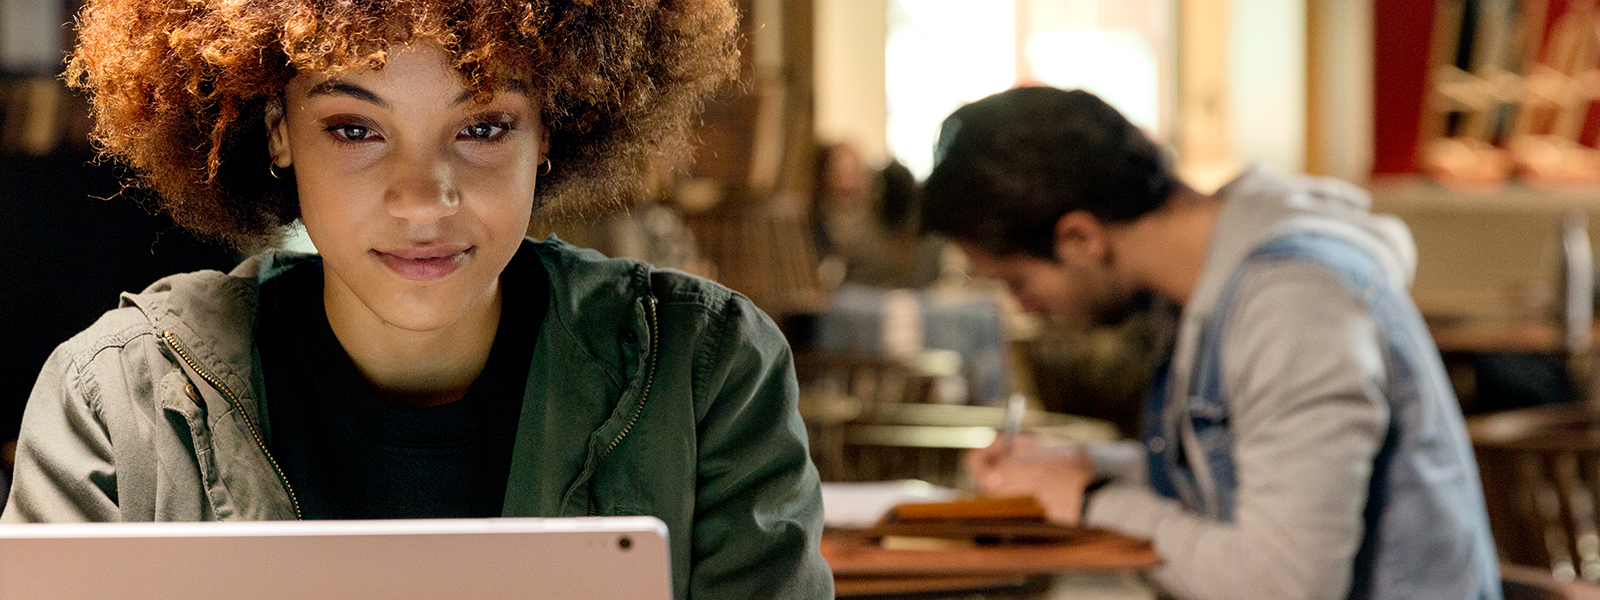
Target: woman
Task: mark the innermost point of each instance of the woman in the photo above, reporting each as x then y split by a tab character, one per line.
431	362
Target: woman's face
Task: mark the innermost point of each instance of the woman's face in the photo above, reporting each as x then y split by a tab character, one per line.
415	195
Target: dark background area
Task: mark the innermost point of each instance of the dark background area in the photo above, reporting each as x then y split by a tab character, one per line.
69	254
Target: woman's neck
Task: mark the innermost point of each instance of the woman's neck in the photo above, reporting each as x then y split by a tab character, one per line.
414	368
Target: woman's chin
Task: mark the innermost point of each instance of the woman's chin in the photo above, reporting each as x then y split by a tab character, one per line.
422	319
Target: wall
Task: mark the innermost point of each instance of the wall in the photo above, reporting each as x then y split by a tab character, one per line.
30	36
1267	83
851	105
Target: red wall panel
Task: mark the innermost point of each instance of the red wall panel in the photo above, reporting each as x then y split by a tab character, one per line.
1402	35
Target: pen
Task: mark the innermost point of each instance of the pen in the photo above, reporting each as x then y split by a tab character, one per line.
1016	406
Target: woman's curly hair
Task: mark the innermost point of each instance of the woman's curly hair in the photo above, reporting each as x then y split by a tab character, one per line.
180	88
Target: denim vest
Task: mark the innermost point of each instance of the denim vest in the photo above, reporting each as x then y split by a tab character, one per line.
1426	531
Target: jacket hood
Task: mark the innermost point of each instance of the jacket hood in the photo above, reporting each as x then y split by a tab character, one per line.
1260	205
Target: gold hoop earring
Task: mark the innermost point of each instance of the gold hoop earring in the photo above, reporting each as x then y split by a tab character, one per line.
272	169
545	170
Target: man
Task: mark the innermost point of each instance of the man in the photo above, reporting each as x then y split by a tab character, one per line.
1302	440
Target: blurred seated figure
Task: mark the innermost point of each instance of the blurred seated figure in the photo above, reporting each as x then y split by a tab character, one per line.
866	226
1301	438
838	198
891	252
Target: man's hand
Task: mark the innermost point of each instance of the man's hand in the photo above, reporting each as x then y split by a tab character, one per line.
1054	476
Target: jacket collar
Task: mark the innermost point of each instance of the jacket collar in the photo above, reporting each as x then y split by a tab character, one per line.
593	299
212	315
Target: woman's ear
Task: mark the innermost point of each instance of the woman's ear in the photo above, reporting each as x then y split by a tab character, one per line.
278	135
1080	238
544	140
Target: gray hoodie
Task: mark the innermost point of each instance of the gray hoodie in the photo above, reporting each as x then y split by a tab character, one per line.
1308	409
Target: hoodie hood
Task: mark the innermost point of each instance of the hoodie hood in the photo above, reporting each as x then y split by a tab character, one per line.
1260	205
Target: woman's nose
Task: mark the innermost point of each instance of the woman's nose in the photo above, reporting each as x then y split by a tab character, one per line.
423	192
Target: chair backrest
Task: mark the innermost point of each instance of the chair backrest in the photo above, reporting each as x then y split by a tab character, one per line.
846	388
874	381
1541	479
767	255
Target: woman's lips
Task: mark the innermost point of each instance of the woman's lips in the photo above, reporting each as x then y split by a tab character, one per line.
423	263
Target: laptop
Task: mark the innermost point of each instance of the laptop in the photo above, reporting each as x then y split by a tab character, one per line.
556	559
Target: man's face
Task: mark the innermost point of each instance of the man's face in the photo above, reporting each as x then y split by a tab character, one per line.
416	195
1083	291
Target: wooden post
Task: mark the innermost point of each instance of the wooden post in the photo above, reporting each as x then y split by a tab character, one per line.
1205	148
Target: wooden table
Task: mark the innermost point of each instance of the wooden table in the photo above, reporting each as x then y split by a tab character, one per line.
1499	336
862	567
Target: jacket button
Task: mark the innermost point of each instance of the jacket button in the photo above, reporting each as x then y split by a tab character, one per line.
192	392
629	337
1157	445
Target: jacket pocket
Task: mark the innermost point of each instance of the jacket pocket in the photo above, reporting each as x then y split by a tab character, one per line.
181	401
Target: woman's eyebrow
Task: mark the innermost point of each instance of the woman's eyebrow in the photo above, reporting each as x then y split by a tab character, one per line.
334	87
512	85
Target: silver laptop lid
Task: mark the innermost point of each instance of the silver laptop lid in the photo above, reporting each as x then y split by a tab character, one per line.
558	559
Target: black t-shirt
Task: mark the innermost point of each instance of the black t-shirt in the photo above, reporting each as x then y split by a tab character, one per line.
349	455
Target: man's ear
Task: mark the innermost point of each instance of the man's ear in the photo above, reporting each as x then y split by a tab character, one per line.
1080	238
278	135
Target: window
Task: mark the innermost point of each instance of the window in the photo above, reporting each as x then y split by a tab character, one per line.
941	54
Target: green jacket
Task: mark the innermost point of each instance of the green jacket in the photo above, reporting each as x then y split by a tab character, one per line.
651	393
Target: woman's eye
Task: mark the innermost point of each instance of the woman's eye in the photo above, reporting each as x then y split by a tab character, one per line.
483	131
352	133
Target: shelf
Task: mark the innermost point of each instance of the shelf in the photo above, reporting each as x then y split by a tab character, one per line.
1407	196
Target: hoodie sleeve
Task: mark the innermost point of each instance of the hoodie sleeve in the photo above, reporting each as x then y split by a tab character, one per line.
1304	372
64	456
758	508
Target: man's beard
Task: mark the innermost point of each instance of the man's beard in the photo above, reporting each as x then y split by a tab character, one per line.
1115	300
1119	305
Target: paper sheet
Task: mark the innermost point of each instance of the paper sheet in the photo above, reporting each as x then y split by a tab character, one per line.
863	504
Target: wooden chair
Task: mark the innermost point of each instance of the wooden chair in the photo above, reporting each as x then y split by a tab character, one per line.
1541	480
836	389
873	419
875	381
765	254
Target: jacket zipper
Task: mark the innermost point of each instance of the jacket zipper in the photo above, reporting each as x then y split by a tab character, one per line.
650	380
172	341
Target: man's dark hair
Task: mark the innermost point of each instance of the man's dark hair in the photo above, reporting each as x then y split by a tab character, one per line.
901	202
1009	166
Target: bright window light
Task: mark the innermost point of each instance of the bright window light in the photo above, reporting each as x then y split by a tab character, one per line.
939	55
1118	65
